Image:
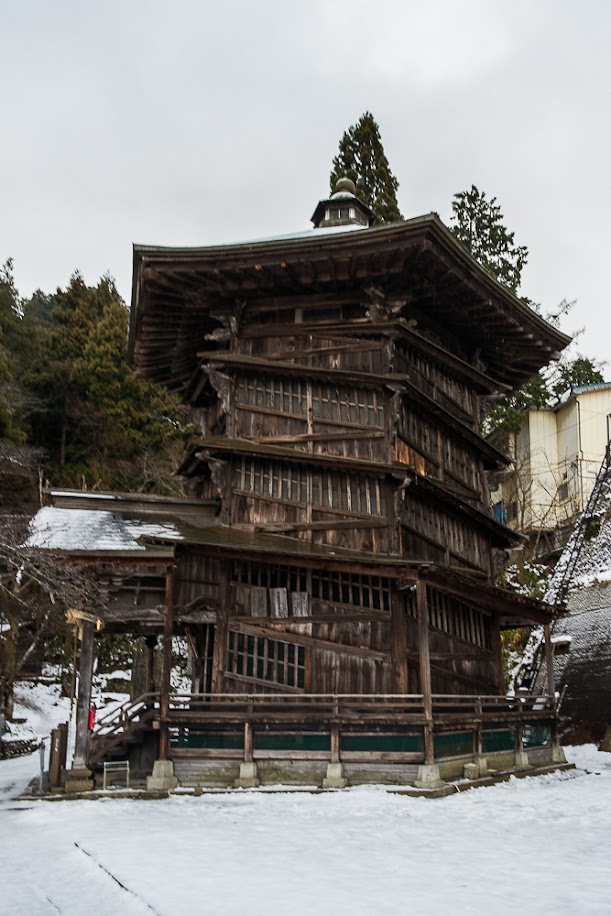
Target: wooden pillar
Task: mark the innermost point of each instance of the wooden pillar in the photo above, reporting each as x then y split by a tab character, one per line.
335	743
549	663
164	693
425	669
398	641
83	704
220	636
478	745
497	648
151	642
248	742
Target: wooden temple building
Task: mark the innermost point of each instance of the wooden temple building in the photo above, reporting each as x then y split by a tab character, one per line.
331	566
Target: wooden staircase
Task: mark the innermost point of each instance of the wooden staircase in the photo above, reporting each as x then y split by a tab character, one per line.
122	727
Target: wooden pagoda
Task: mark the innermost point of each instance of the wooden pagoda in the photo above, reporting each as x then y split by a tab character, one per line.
337	587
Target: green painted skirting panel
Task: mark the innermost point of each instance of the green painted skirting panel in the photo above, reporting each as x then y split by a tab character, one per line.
499	740
280	742
220	742
400	743
537	737
453	745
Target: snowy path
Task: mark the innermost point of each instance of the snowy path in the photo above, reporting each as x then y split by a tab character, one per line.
535	846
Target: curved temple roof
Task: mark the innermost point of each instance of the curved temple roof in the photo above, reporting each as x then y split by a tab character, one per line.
417	261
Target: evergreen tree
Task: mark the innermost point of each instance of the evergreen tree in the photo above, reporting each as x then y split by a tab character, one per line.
99	425
477	223
12	398
361	158
542	390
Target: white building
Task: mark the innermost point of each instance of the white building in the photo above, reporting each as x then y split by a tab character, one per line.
556	457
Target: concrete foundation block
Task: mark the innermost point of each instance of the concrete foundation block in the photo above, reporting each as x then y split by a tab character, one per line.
482	765
558	755
163	777
335	778
249	776
521	759
428	777
79	779
471	770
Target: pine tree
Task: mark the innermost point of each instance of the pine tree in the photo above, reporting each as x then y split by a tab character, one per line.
478	224
361	158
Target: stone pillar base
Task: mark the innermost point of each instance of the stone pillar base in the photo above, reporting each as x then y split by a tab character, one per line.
521	759
79	779
163	778
428	777
249	776
558	755
605	744
335	778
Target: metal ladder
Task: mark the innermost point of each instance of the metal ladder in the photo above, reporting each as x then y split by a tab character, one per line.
558	591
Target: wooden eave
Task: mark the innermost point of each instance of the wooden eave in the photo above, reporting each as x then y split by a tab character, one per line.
363	328
151	556
173	289
214	360
140	504
501	535
237	542
511	608
198	456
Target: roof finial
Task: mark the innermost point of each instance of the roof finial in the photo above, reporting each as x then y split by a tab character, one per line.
344	184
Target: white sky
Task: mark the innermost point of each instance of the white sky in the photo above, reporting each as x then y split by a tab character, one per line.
198	123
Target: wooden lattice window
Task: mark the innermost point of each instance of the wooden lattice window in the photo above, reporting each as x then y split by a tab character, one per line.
336	403
284	395
371	592
263	659
348	404
354	493
456	618
292	578
272	480
362	591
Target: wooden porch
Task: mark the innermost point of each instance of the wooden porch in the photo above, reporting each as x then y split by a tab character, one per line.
386	729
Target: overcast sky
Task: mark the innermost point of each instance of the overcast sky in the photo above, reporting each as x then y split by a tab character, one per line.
196	123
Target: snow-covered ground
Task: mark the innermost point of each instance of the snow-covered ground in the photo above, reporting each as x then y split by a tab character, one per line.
533	846
538	845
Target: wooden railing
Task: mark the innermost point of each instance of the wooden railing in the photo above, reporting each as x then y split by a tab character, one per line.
204	707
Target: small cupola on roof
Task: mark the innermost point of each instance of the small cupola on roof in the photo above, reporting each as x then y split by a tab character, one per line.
343	208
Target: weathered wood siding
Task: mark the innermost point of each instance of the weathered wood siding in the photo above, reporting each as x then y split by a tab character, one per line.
433	532
461	642
447	388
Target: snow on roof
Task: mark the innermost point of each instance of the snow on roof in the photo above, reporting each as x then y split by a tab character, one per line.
90	529
593	563
307	233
